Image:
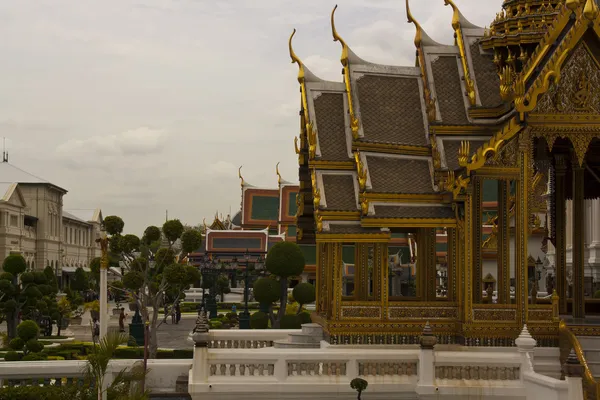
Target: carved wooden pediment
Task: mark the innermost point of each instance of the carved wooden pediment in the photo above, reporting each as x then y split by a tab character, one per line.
506	157
578	90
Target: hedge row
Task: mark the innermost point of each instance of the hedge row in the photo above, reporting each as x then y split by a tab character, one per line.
46	393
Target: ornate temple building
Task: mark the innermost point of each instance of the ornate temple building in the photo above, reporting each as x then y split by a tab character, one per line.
266	216
477	148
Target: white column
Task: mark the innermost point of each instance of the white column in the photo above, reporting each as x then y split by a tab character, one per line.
575	388
103	302
595	221
199	372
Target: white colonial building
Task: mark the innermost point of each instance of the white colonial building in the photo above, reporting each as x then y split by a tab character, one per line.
34	223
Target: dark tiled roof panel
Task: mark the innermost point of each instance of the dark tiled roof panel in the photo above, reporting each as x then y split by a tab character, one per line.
451	148
486	77
448	90
390	110
329	110
399	175
350	229
413	212
339	192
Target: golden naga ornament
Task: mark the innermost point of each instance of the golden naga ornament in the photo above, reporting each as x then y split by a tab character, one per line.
364	205
316	198
362	172
311	134
242	182
506	83
319	223
296	147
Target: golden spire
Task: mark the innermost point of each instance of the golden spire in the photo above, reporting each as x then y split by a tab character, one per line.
590	11
278	174
455	15
572	4
204	223
242	182
354	124
411	19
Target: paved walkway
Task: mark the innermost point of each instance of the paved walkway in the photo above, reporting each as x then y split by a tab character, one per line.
169	336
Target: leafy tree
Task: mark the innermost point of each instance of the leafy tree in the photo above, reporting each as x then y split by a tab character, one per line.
285	259
191	240
21	292
266	292
151	273
304	293
80	281
27	338
223	286
359	385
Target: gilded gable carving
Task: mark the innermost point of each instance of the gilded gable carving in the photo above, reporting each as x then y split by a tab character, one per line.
506	157
577	91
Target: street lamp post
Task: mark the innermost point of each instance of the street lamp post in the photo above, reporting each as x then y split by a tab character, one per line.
103	240
208	267
258	265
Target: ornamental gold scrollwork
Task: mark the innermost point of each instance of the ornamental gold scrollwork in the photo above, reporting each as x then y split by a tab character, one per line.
299	204
463	153
506	83
319	219
316	198
364	204
435	153
296	147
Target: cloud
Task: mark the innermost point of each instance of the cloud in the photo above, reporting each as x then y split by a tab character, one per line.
141	141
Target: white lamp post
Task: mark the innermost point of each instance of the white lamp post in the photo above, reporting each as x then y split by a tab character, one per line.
103	240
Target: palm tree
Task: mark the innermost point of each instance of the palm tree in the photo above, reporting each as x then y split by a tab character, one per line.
123	385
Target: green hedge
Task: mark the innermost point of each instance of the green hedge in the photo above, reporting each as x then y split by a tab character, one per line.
46	393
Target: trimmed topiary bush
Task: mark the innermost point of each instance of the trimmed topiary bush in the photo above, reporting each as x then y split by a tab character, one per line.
290	322
359	385
259	320
304	293
304	317
28	330
12	356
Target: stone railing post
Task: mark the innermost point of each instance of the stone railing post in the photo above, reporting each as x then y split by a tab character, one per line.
426	364
201	337
526	345
574	371
281	369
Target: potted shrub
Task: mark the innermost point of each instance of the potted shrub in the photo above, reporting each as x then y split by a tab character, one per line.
94	307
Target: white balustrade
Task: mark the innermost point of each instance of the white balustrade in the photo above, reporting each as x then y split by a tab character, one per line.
246	338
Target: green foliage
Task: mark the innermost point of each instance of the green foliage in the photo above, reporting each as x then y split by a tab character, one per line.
34	346
597	294
16	344
114	225
92	306
49	392
151	234
304	317
290	322
28	330
172	230
130	243
80	281
304	293
191	240
51	280
164	257
12	356
285	259
266	290
116	289
14	264
133	280
359	385
259	320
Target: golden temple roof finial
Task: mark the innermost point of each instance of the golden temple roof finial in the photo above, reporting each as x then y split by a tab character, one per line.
278	174
295	59
411	19
455	15
590	11
338	38
572	4
204	223
242	183
354	123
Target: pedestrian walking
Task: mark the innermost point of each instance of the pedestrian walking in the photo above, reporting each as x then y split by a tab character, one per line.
96	330
122	317
177	313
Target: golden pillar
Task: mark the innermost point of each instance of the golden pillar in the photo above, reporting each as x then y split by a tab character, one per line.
476	241
426	271
361	272
578	240
560	229
503	248
336	280
467	258
522	227
451	269
382	250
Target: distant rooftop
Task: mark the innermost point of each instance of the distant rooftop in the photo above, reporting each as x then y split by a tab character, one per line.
12	174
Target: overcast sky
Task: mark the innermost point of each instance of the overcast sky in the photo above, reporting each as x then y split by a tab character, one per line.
139	106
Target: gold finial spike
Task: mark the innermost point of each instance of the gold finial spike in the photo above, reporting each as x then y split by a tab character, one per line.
278	174
204	223
338	38
295	59
572	4
412	20
242	182
590	11
456	15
